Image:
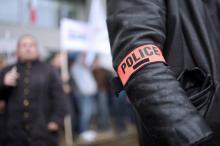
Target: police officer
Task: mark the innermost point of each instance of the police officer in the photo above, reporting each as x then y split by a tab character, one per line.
165	53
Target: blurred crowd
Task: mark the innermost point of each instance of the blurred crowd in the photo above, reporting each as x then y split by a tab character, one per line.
68	95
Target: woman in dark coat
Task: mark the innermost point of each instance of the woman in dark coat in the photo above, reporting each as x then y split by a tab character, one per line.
35	100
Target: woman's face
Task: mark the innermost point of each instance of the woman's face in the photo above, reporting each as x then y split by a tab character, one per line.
27	49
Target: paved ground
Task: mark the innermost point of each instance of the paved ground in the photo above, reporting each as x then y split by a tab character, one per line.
128	138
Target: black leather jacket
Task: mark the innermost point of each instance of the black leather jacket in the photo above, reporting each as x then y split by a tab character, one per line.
178	101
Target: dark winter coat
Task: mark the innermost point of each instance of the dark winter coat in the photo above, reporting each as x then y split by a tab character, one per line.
37	100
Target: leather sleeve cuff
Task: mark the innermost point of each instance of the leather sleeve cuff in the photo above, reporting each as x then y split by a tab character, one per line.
165	110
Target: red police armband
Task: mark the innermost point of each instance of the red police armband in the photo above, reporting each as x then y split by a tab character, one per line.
136	59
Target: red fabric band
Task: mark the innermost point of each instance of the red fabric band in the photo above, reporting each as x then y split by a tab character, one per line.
136	59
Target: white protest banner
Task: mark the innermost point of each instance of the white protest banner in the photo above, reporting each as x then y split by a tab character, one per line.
74	35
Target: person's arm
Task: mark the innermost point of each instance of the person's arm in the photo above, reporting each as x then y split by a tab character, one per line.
6	85
137	30
58	98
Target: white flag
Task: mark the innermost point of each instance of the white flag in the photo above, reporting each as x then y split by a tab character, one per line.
98	35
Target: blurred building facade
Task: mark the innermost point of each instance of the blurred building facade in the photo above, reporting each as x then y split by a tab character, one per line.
38	17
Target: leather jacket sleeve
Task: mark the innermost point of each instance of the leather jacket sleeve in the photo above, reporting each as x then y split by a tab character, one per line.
160	101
